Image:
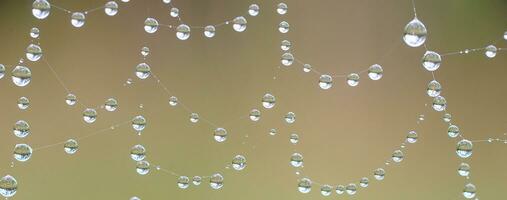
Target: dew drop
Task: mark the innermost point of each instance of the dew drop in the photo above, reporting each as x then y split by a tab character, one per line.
364	182
2	71
325	81
138	123
375	72
353	79
340	189
150	25
23	103
253	10
173	101
285	46
239	24
453	131
33	52
216	181
287	59
490	51
21	129
8	186
415	33
183	32
294	138
220	134
431	60
21	76
305	185
34	32
22	152
397	156
283	27
469	191
111	104
145	51
209	31
175	12
143	167
351	189
70	146
196	180
138	152
77	19
268	101
41	9
296	160
326	190
255	115
439	103
282	8
290	117
307	68
379	174
143	71
89	115
464	148
183	182
71	99
464	169
434	88
111	8
239	162
412	137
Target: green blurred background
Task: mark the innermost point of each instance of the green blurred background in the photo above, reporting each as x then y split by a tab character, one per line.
345	132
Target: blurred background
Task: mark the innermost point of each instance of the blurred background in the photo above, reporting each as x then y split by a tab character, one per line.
345	132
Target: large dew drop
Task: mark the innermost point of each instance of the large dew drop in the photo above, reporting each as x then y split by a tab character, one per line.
296	160
434	88
397	156
239	162
143	167
77	19
216	181
305	185
209	31
490	51
351	189
33	52
431	60
253	10
89	115
325	81
287	59
22	152
111	8
379	174
415	33
111	104
70	146
326	190
183	32
239	24
21	129
268	101
183	182
220	134
464	148
282	8
21	76
138	152
71	99
23	103
464	169
255	115
283	27
138	123
375	72
8	186
290	117
150	25
143	71
40	9
469	191
353	79
439	103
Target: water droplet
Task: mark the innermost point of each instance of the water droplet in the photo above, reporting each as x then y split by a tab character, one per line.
469	191
239	162
111	104
255	115
175	12
290	117
183	32
434	88
22	152
145	51
397	156
253	10
71	99
150	25
166	1
305	185
34	32
143	71
439	103
415	33
490	51
351	189
132	198
447	117
183	182
294	138
41	9
21	129
209	31
216	181
138	152
307	68
296	160
379	174
412	137
464	169
33	52
139	123
239	24
340	189
285	46
375	72
196	180
194	117
282	8
173	101
364	182
287	59
464	148
325	81
453	131
143	167
111	8
89	115
353	79
70	146
23	103
431	60
283	27
268	101
77	19
220	134
21	76
272	131
326	190
8	186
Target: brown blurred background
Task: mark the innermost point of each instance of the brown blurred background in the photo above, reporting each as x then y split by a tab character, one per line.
345	132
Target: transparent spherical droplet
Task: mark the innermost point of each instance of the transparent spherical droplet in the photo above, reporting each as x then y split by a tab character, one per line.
196	180
239	162
439	103
307	68
33	52
89	115
447	117
412	137
183	32
41	9
150	25
253	10
111	104
34	32
132	198
464	148
183	182
464	169
287	59
364	182
305	185
469	191
239	24
453	131
166	1
375	72
71	99
415	33
138	152
397	156
23	103
145	51
21	76
209	31
340	189
434	88
22	152
379	174
220	134
325	81
216	181
353	79
21	129
490	51
138	123
268	101
326	190
431	60
281	8
70	146
285	46
143	167
175	12
290	117
143	71
173	101
351	189
194	117
272	131
2	71
255	115
77	19
296	160
8	186
294	138
283	27
111	8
